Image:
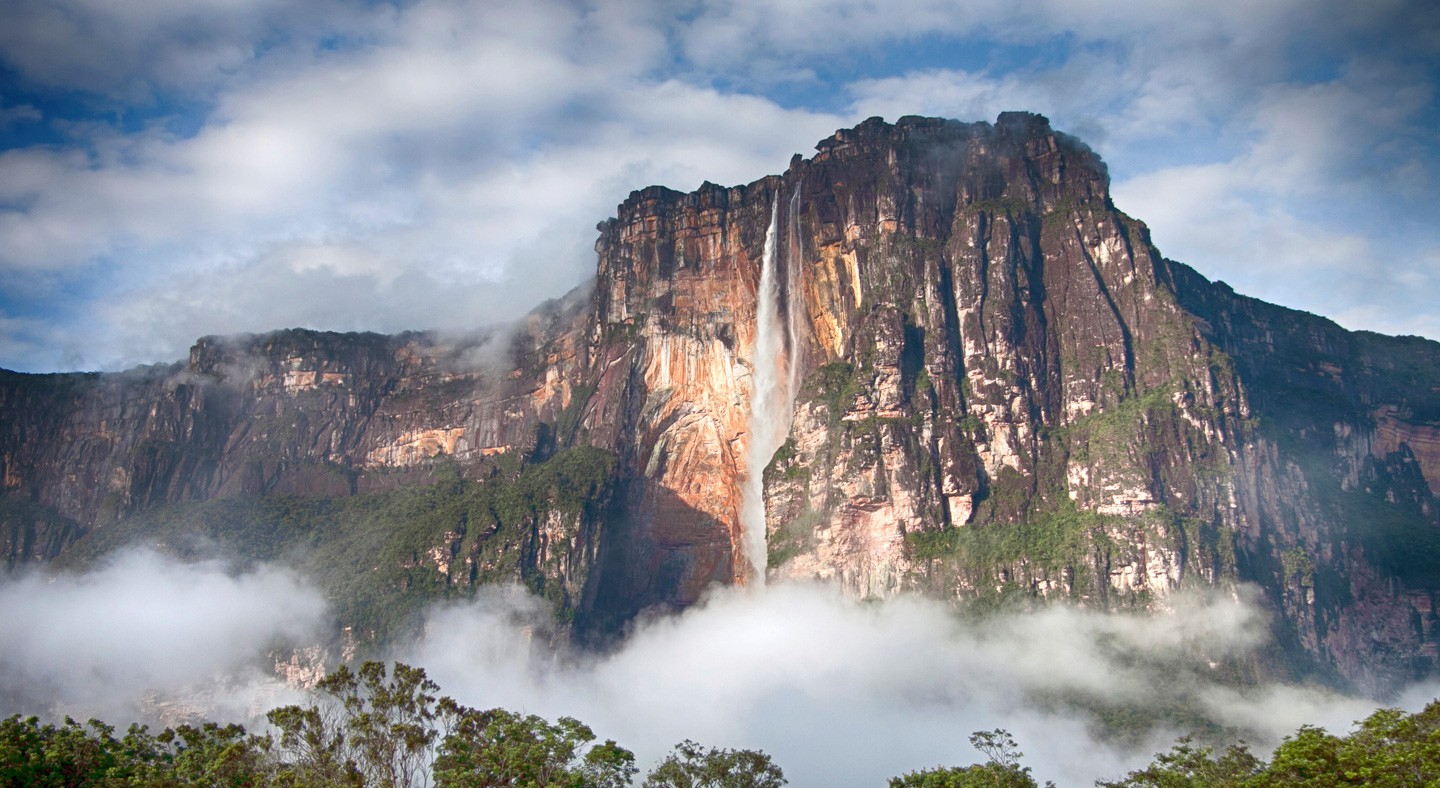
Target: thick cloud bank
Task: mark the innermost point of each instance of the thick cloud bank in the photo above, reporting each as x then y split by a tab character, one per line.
147	637
842	692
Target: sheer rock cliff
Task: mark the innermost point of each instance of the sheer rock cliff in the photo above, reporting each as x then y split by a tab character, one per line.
1003	394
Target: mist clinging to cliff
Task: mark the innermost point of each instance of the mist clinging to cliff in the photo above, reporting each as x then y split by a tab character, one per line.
838	691
842	692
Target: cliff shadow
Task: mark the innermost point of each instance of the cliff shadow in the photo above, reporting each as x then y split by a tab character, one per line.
658	555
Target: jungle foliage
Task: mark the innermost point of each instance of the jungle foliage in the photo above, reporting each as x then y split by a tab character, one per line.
371	727
387	727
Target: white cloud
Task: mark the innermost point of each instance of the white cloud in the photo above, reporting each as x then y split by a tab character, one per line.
409	156
839	691
768	39
1295	190
1350	134
1305	213
728	35
414	173
842	692
949	93
459	244
143	630
1215	217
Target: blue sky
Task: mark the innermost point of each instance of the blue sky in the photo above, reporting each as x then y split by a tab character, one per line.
172	169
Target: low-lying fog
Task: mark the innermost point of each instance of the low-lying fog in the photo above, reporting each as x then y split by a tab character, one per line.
837	691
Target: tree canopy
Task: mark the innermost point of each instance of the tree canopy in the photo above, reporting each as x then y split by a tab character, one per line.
1001	770
691	766
379	727
371	727
1388	748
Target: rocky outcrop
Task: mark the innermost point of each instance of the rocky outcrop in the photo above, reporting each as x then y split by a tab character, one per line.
1003	392
294	411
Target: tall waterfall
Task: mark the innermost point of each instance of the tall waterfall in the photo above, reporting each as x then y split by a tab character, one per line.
773	391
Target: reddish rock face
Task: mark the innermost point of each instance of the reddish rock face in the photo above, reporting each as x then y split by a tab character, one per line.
1002	390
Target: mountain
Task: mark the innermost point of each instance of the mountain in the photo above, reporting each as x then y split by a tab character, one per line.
956	366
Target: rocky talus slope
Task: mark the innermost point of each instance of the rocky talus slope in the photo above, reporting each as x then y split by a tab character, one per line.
1003	394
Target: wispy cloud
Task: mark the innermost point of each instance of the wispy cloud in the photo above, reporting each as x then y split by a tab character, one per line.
187	169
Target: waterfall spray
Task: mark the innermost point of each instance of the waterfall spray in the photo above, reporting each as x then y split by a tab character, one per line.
793	302
773	391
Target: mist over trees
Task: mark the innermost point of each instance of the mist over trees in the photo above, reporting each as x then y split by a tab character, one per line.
837	691
373	727
379	727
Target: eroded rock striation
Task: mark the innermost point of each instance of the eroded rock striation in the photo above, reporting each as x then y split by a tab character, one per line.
1002	391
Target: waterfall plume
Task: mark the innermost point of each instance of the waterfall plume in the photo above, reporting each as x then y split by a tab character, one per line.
773	390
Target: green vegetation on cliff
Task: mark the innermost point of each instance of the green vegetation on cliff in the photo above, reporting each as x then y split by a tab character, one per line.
381	557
